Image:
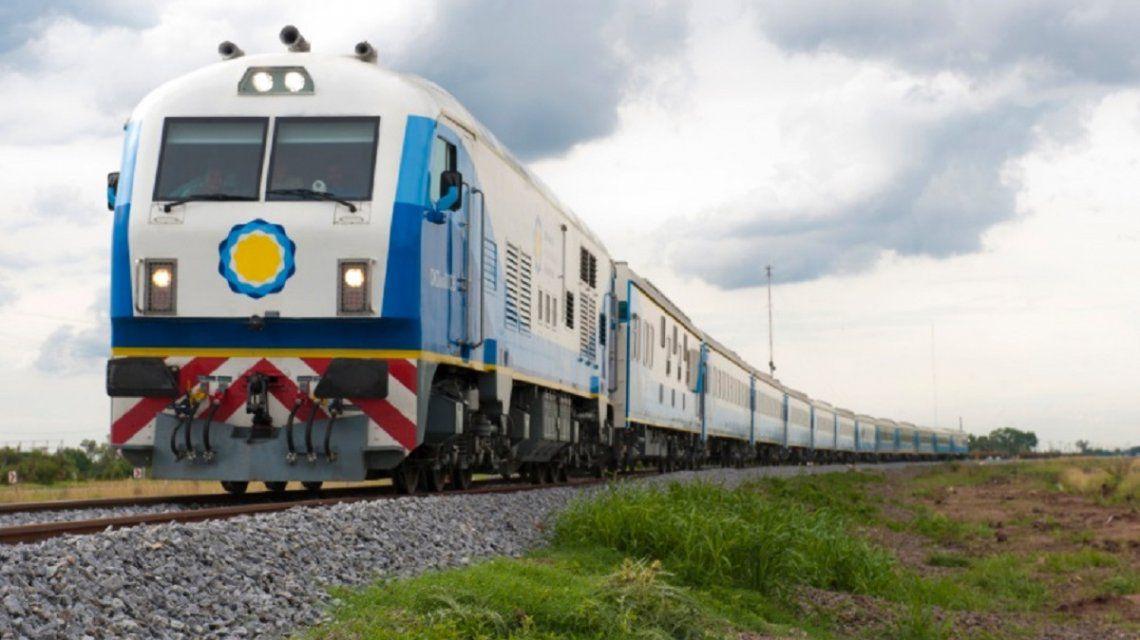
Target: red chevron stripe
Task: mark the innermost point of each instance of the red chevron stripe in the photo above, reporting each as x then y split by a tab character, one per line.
146	409
284	390
391	420
405	372
383	412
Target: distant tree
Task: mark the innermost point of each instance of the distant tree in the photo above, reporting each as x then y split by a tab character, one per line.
91	461
1006	441
1011	441
90	447
979	443
1083	446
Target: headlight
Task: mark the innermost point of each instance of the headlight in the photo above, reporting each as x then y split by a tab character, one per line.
161	278
262	81
276	81
353	287
354	277
294	81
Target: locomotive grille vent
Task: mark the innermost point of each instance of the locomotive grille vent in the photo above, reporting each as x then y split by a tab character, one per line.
588	328
518	282
490	265
588	268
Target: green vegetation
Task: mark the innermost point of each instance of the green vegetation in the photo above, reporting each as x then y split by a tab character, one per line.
941	559
554	594
1111	480
920	623
709	536
1006	441
781	558
92	461
940	528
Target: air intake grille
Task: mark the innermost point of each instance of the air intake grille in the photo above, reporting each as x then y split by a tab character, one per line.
490	264
588	328
518	282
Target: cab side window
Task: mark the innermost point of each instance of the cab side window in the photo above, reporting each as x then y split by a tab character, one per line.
444	157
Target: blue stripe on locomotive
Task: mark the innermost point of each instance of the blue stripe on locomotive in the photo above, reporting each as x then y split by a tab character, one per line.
120	252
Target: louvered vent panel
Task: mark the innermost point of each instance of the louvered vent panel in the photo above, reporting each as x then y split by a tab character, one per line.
490	264
511	286
588	327
526	285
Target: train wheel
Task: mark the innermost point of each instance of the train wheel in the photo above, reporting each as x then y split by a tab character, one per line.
561	472
276	487
312	485
506	472
435	478
461	478
236	487
406	479
535	474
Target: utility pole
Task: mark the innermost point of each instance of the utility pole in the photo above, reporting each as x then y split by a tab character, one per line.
933	376
771	354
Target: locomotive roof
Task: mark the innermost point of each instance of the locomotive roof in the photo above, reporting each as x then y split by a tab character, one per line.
416	95
659	297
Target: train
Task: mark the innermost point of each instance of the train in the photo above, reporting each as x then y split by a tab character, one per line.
326	270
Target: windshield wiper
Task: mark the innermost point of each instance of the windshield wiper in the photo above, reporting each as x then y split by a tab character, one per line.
201	196
313	194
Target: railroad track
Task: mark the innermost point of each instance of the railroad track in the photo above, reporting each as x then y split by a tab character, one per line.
45	530
184	499
233	506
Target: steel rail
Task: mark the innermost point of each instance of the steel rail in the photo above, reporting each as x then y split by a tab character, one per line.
45	530
197	498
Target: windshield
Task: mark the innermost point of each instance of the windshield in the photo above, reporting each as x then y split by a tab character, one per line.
217	158
334	156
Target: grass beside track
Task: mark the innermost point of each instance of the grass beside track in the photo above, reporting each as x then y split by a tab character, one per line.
774	558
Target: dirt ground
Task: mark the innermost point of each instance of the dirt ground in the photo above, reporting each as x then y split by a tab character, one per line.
1001	531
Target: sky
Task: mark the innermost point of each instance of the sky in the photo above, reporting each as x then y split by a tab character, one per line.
947	192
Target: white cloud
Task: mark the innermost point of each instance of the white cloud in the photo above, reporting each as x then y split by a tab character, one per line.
990	195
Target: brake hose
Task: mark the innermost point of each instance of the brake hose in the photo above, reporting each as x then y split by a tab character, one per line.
289	427
335	408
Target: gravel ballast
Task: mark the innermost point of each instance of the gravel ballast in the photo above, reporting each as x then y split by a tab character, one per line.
268	574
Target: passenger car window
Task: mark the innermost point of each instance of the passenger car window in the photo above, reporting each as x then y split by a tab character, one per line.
210	158
333	156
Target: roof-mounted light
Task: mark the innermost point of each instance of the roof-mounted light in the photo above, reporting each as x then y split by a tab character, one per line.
364	51
291	37
276	81
229	50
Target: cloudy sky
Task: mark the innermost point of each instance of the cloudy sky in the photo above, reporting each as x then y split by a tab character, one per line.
948	192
